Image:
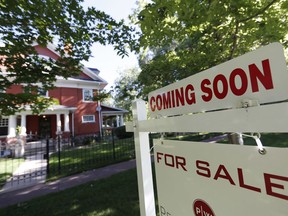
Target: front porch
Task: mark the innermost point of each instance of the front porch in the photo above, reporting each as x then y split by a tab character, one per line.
51	122
111	117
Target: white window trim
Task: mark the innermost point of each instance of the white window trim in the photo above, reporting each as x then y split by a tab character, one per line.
46	94
89	121
91	94
4	122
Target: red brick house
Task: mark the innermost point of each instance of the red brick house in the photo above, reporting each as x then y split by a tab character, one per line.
77	114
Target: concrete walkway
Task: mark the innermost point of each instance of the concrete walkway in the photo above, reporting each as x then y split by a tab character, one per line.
29	173
25	194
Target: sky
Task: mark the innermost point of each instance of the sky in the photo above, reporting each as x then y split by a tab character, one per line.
105	58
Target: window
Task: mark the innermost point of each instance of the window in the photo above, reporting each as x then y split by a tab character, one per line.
87	95
42	92
3	126
88	118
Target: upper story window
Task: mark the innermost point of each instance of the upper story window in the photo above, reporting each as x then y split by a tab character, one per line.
3	126
87	94
4	122
42	92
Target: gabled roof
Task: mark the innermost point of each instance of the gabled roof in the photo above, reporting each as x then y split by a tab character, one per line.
79	83
93	75
112	110
91	72
95	70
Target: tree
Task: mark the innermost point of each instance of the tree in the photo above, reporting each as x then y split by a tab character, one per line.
24	23
188	36
185	37
126	89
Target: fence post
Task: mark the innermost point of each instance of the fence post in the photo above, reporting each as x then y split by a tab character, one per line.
113	144
143	161
59	153
47	156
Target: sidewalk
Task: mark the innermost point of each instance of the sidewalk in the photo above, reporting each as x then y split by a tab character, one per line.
34	167
26	194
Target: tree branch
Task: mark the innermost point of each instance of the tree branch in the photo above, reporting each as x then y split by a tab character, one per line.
259	12
234	38
234	35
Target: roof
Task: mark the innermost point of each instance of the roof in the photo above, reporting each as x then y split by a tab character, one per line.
54	109
105	109
77	83
91	72
95	70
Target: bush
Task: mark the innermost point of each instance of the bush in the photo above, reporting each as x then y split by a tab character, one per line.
121	133
84	140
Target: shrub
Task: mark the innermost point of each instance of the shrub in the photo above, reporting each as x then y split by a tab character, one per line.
85	140
121	133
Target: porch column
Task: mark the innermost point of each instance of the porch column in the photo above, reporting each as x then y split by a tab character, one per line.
58	122
66	122
121	120
23	125
12	123
73	126
117	120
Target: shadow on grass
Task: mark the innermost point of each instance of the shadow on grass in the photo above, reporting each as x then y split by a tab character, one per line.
271	139
75	160
113	196
7	167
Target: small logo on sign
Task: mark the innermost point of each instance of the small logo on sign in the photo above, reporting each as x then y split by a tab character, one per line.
201	208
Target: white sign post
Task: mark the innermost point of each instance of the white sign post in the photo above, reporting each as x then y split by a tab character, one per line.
143	162
245	94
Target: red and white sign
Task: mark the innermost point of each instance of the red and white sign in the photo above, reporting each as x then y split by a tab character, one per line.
260	75
220	179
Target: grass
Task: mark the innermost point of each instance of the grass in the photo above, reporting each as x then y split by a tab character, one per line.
89	157
7	167
267	139
270	139
113	196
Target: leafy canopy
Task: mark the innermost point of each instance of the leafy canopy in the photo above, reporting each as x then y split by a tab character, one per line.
126	89
26	22
184	37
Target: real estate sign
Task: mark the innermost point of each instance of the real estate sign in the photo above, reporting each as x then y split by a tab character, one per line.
204	179
260	75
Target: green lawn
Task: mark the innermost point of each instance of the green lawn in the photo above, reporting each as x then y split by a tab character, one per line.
114	196
89	157
267	139
7	167
270	139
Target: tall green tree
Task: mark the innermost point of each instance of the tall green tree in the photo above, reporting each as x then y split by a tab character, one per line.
126	89
64	22
184	37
